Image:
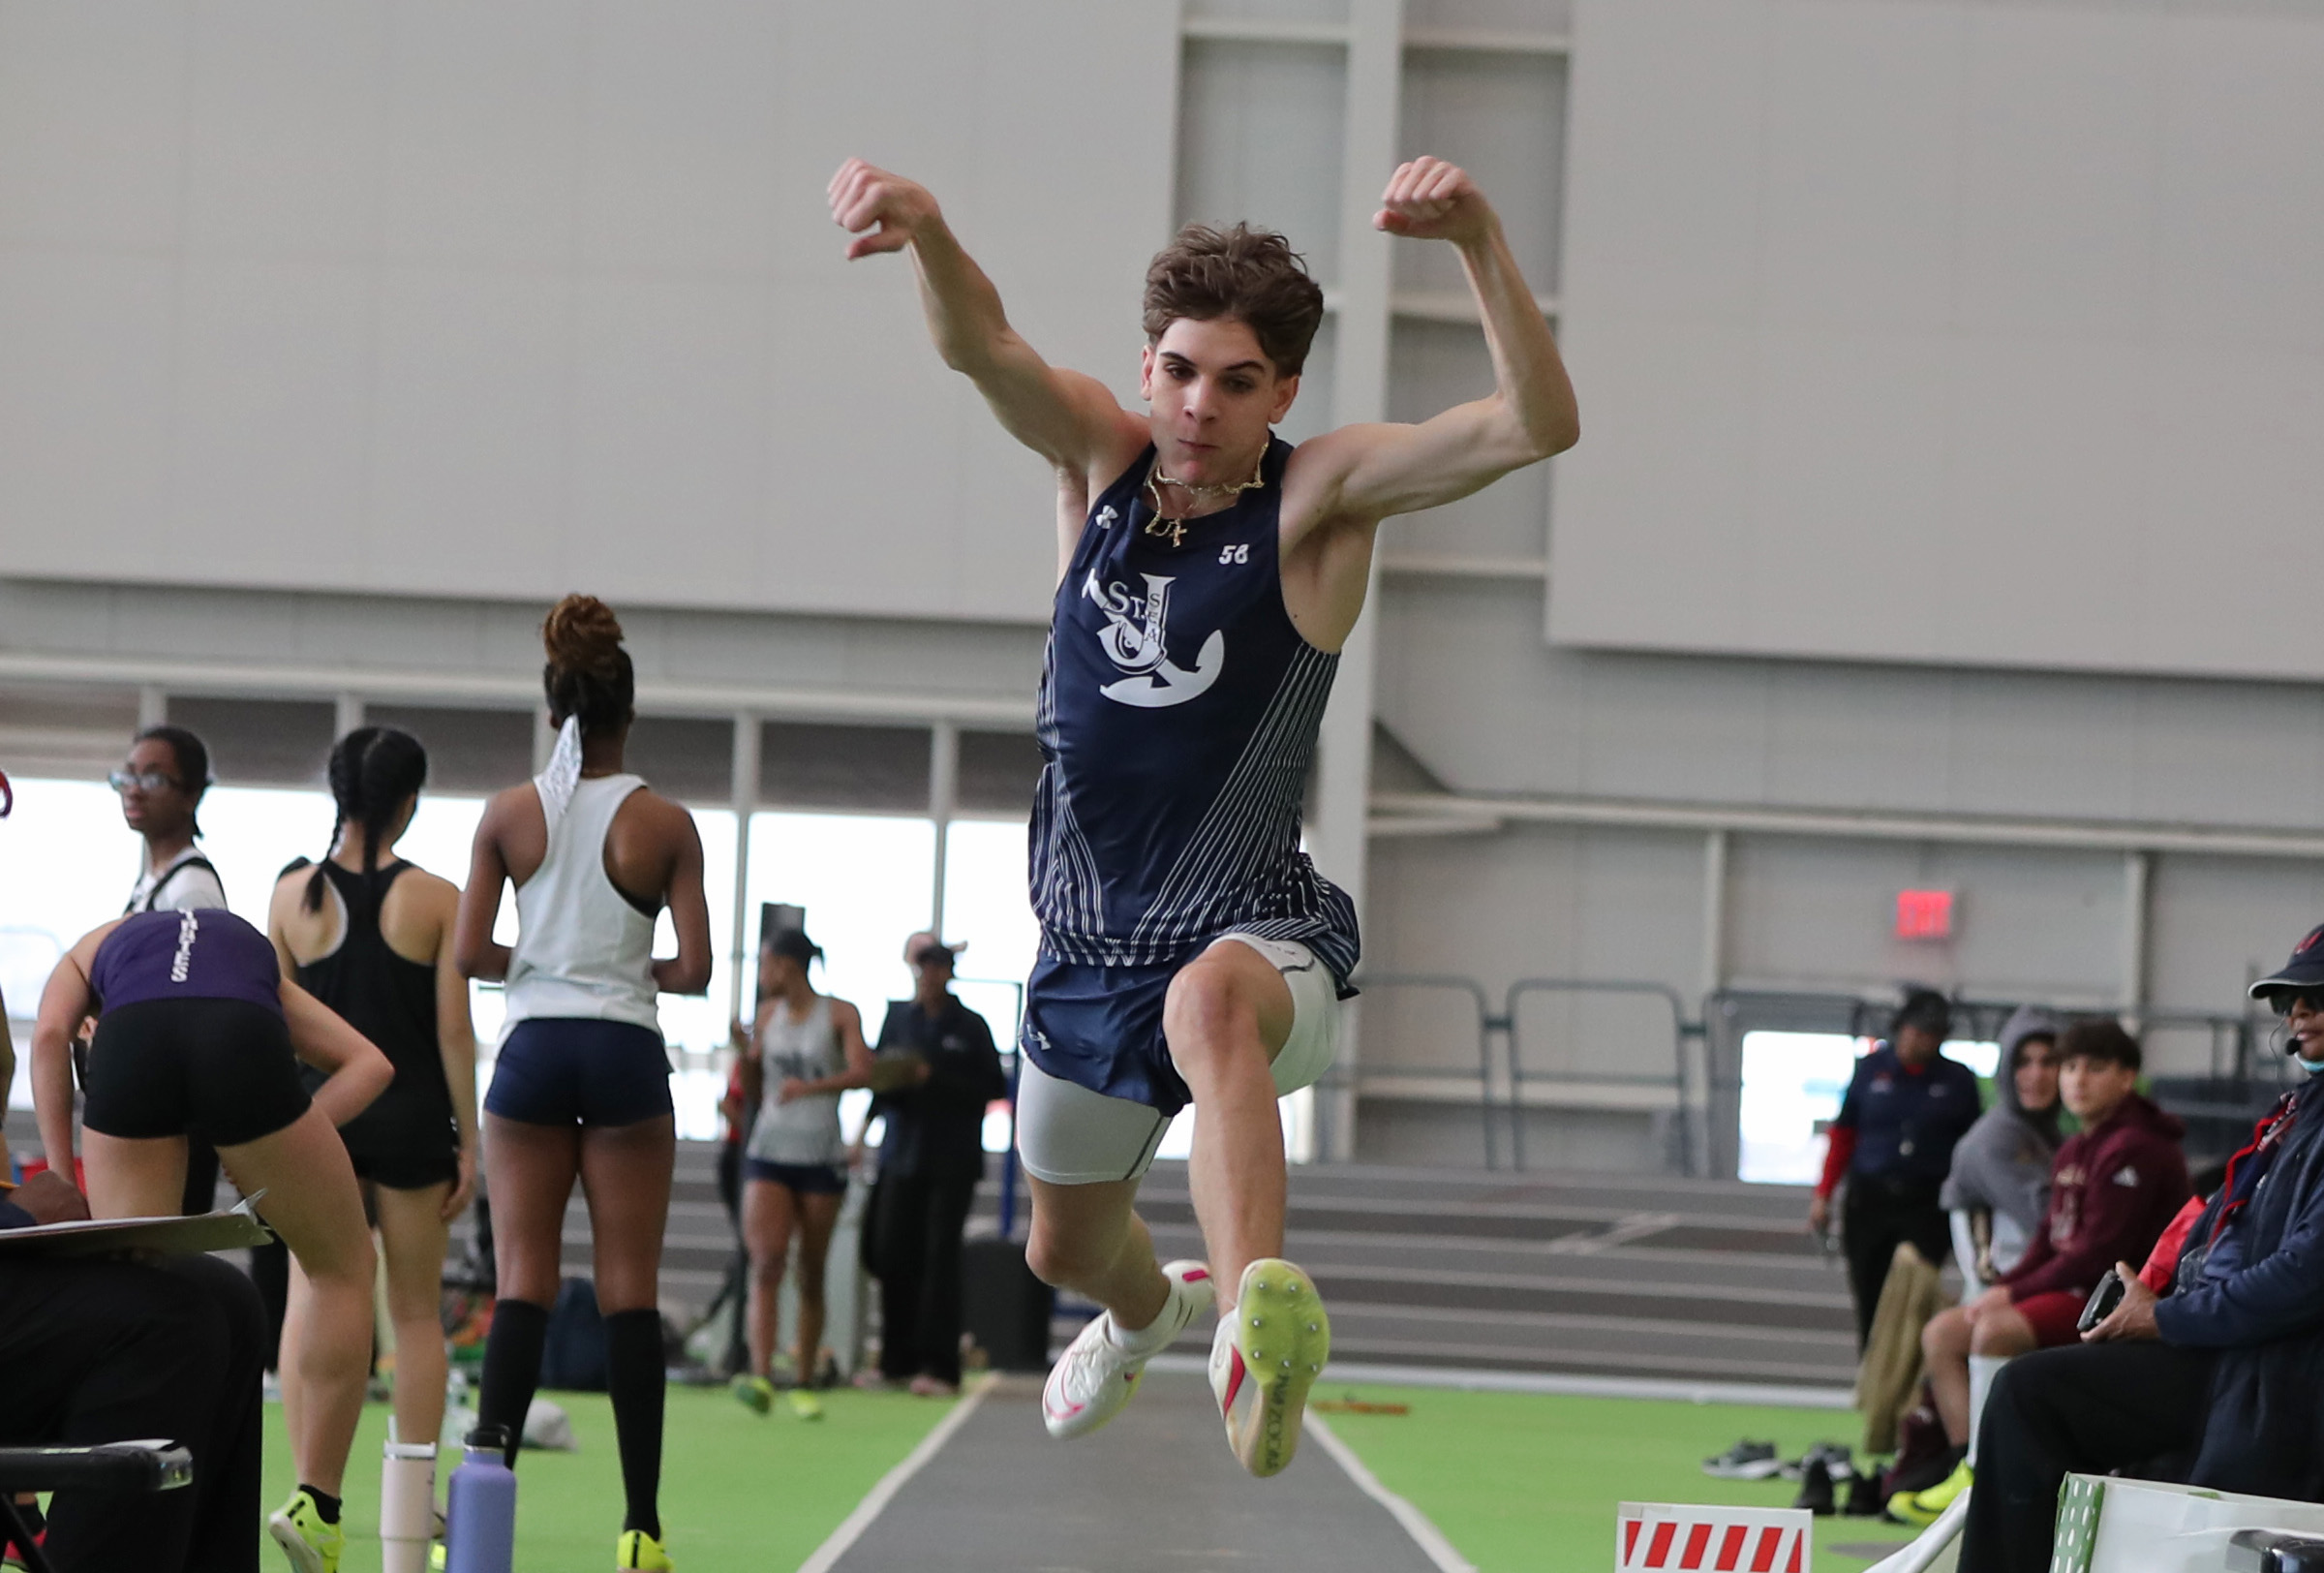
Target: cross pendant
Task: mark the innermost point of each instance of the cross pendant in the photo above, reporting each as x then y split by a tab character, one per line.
1175	529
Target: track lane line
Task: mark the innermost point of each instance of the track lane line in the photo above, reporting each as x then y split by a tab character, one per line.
875	1501
1423	1531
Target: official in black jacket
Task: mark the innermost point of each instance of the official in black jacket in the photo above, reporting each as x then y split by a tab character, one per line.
939	1072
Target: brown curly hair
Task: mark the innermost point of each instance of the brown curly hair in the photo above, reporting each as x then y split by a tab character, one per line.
1251	275
588	672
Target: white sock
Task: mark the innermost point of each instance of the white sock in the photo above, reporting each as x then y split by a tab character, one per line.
1165	1326
1981	1370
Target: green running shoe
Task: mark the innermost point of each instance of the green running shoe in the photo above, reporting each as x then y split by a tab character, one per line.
1923	1508
637	1548
753	1393
805	1404
312	1545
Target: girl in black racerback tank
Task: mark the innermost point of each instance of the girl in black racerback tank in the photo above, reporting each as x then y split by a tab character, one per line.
416	1146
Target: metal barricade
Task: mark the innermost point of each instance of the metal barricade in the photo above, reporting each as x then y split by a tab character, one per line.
1486	1026
1675	1078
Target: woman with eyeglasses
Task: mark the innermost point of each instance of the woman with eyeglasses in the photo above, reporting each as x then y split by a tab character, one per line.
161	787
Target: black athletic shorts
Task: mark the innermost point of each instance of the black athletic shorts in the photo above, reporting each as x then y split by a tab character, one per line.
406	1140
220	1069
577	1070
798	1179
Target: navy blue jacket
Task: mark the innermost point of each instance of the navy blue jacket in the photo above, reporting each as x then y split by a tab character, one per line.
2277	1287
1907	1123
2263	1432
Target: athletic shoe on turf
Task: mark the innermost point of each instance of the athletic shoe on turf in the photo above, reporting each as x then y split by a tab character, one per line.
1098	1374
1816	1490
1923	1508
805	1404
1747	1460
1864	1496
638	1549
753	1393
312	1545
1264	1358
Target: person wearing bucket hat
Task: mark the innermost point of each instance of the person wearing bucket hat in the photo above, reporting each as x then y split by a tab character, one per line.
1906	1109
2224	1362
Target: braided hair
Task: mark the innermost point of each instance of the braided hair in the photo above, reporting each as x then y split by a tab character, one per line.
375	771
588	673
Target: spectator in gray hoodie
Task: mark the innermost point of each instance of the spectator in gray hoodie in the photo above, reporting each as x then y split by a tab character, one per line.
1999	1186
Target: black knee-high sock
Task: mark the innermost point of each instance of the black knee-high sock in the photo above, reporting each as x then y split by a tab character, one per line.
512	1368
636	1373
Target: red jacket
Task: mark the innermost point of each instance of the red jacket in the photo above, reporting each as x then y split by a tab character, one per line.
2112	1191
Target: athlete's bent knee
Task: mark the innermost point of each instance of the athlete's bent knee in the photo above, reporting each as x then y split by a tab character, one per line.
1061	1262
1212	1012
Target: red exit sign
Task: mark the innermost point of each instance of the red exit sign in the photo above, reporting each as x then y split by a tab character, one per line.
1924	915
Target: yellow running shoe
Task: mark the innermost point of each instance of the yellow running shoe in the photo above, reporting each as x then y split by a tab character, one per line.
1264	1358
638	1549
805	1404
753	1393
312	1545
1923	1508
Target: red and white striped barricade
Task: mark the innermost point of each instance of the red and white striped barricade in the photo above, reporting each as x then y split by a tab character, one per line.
1666	1537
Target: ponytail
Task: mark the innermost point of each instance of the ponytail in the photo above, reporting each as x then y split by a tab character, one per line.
588	675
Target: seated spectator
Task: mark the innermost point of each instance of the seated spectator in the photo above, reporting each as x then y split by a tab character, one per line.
95	1350
2228	1365
1999	1189
2113	1189
1906	1109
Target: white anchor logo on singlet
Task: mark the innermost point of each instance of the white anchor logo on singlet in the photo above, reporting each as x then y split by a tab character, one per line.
1136	640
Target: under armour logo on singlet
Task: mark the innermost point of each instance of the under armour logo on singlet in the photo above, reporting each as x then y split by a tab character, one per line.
1136	640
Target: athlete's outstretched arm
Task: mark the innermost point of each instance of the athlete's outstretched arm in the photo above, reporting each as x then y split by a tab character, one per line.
1068	419
65	1003
1377	471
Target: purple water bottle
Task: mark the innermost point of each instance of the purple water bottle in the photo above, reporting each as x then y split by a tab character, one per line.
479	1535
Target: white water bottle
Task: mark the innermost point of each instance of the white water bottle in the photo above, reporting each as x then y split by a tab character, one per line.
406	1506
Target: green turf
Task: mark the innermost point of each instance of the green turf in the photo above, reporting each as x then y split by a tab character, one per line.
1528	1483
739	1490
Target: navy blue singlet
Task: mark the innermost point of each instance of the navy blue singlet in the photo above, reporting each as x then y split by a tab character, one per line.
1177	723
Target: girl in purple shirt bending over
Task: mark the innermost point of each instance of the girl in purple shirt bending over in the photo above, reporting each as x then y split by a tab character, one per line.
197	1034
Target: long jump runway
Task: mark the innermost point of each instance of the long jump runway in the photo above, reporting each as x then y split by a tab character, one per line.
1155	1491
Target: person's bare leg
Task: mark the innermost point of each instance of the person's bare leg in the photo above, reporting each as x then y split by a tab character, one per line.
530	1172
311	1201
1087	1239
818	1215
2003	1334
413	1232
298	1313
134	1176
767	1236
1944	1352
626	1176
1227	1013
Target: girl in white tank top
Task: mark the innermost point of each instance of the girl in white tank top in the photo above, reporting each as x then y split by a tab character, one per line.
581	1083
805	1050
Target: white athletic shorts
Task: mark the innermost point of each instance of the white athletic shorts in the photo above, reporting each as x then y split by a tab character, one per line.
1069	1135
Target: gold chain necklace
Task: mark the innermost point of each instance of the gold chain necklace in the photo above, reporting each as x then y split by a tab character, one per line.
1175	529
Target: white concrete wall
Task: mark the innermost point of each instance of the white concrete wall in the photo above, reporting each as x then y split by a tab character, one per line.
503	299
1947	332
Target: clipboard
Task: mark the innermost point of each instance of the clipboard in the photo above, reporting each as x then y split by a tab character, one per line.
194	1236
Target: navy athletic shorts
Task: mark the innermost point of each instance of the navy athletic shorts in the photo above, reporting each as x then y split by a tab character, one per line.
1101	1027
800	1179
220	1070
577	1070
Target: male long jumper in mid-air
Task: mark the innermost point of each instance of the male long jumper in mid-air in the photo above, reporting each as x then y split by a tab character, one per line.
1209	573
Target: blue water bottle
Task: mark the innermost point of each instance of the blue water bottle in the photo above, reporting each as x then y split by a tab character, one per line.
480	1533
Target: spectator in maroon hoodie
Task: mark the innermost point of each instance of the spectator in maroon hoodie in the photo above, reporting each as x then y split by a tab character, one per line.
2114	1188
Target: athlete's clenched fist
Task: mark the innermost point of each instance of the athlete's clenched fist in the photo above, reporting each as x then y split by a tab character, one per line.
883	211
1431	199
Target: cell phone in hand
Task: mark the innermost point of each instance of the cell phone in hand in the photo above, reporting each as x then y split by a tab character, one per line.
2103	1301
